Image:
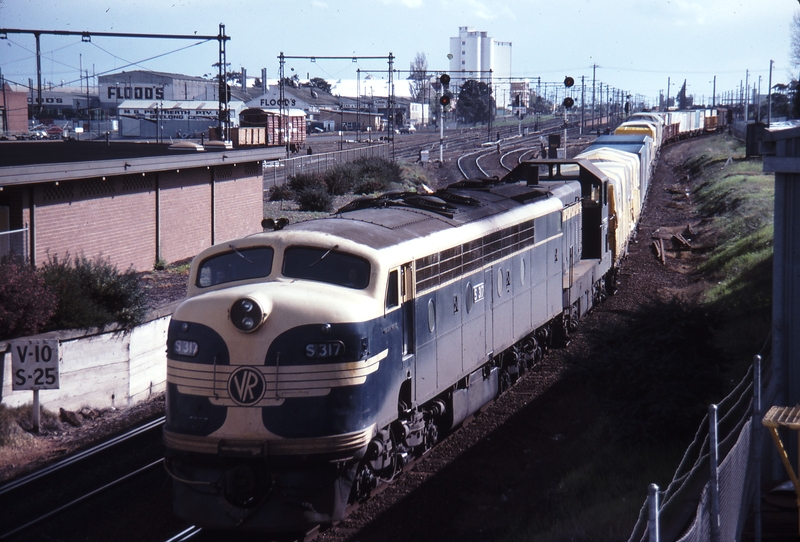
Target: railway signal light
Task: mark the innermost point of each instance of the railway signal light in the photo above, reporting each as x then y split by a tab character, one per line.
444	101
569	81
568	102
445	80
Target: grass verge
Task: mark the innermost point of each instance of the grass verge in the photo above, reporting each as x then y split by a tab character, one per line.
655	370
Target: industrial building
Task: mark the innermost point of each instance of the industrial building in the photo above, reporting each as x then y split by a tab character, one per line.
475	55
131	202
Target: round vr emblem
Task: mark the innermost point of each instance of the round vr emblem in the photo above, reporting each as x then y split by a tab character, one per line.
246	386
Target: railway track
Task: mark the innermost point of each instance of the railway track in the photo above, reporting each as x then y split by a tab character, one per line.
83	493
407	147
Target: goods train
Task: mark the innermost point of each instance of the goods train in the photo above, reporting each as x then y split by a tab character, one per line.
314	360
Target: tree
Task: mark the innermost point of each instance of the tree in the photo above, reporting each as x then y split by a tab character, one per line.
781	106
540	105
795	94
475	102
795	31
419	75
684	101
320	83
293	81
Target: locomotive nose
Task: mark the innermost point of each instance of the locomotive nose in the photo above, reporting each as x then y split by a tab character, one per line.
249	312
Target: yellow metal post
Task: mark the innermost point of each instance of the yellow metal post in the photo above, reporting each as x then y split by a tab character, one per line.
788	417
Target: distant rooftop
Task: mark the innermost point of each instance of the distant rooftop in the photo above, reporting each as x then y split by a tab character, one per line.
28	153
25	162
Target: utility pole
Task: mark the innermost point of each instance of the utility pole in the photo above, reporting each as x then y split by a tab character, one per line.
583	101
769	95
747	95
714	93
594	70
666	104
758	101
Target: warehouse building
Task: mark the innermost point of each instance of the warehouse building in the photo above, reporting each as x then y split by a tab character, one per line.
133	203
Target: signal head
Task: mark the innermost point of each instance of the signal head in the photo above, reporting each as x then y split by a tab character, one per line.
569	81
444	79
568	102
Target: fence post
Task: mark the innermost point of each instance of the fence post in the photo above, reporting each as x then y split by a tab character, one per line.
714	481
755	442
652	506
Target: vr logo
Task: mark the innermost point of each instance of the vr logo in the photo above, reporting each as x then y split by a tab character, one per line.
246	386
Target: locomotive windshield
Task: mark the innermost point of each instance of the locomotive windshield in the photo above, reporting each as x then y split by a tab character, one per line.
238	264
326	265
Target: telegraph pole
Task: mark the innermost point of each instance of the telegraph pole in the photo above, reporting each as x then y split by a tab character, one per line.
747	95
594	73
583	101
769	95
666	104
714	93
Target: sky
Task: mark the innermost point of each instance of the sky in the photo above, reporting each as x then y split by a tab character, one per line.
636	45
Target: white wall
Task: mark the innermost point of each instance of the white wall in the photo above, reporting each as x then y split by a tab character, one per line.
101	369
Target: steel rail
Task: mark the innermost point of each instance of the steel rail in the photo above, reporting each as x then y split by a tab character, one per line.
19	482
186	534
72	503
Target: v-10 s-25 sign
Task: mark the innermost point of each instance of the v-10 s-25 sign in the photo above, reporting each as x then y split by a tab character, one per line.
34	364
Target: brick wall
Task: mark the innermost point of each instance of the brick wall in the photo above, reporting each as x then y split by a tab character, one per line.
116	218
113	218
238	201
185	213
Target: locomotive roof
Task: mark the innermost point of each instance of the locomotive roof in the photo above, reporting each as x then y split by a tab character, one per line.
393	218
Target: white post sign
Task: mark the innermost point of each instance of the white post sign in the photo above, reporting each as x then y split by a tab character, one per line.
34	364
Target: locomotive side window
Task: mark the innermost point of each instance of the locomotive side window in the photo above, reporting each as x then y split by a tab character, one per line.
392	290
238	264
326	265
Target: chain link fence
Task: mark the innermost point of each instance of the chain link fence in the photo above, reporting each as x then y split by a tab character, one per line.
277	172
716	485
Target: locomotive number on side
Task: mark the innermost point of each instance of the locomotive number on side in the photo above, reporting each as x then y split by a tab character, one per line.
326	350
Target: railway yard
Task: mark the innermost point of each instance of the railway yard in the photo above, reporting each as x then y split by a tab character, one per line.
500	474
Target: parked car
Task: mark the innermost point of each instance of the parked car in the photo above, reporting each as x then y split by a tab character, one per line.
407	129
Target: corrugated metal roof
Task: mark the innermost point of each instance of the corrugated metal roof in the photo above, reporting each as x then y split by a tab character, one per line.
43	161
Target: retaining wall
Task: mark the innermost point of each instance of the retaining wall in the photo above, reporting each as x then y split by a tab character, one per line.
100	369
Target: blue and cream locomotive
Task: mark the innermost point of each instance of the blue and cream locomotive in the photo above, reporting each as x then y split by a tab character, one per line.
309	362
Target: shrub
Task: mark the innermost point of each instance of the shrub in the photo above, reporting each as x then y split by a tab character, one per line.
280	192
305	181
379	169
26	303
93	293
314	199
369	186
341	178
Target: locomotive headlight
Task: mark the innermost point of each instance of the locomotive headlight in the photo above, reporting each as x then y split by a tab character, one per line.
247	315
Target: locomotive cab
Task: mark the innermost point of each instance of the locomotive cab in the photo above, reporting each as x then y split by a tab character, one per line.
268	361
